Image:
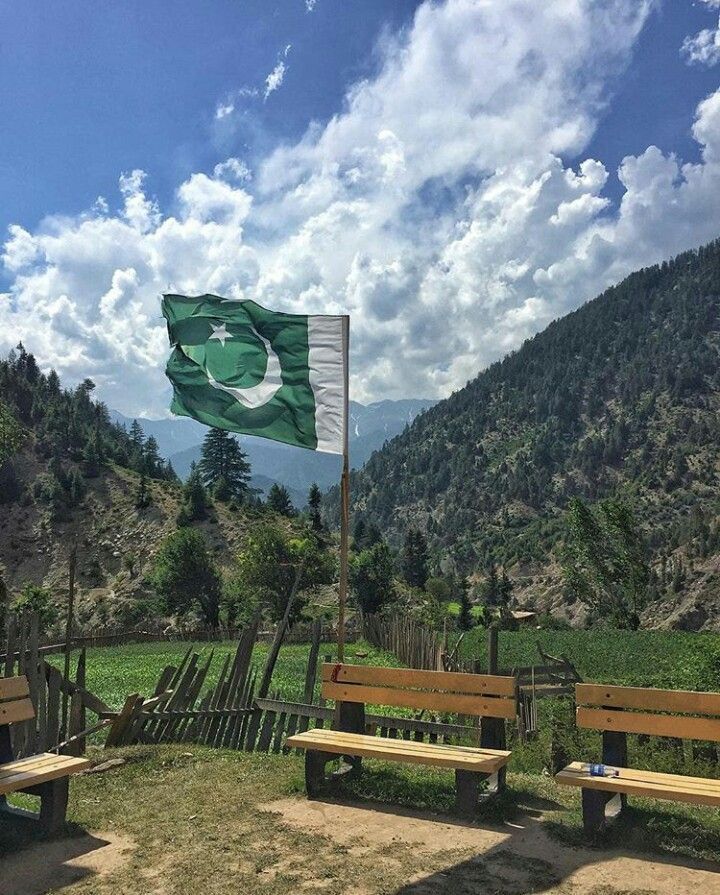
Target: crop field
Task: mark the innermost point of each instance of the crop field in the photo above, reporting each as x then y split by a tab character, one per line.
665	659
114	672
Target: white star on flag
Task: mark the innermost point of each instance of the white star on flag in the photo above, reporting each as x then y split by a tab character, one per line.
220	333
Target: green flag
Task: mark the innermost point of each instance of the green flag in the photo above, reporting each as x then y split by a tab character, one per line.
235	365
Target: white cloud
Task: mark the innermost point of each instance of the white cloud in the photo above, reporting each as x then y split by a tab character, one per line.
274	80
435	209
310	5
222	110
702	48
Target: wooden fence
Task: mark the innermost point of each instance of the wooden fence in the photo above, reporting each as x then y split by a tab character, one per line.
413	644
61	704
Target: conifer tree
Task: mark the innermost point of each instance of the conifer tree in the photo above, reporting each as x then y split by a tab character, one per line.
224	468
195	501
465	619
414	560
278	500
314	501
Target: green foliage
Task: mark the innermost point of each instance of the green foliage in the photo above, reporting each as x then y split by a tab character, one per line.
185	576
278	500
143	497
67	426
465	616
11	433
265	571
314	503
621	393
194	505
414	559
371	577
604	561
33	598
224	468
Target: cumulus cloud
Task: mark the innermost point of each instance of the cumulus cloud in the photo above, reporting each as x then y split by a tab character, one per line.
703	48
310	5
435	208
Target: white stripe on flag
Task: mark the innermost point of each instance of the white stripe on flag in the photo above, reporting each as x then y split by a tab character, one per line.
327	380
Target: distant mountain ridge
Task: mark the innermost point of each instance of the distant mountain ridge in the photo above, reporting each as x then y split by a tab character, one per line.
179	441
621	396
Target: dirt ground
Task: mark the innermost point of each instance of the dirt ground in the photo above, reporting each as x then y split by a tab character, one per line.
453	857
521	854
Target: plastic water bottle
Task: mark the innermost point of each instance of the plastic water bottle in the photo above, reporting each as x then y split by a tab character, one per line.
601	770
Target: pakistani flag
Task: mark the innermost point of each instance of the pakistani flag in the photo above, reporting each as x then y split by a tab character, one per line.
235	365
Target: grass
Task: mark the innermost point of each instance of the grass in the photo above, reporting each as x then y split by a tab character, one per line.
116	671
665	659
202	820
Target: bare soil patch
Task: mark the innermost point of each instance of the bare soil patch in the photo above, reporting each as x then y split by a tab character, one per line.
519	857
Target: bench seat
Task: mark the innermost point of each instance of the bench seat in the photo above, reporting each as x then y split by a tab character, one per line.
36	769
337	742
651	784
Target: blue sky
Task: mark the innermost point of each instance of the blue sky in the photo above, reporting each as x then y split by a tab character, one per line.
451	167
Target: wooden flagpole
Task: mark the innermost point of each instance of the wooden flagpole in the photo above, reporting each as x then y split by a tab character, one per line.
344	494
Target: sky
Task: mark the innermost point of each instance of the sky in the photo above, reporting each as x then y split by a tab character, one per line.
453	174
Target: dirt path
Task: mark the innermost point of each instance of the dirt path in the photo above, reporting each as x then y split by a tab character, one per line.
513	858
51	866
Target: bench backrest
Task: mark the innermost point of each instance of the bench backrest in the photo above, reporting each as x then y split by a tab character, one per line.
441	691
15	702
645	711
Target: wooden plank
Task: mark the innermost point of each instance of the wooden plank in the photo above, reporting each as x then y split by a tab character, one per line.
401	750
688	701
14	687
684	727
670	787
54	679
405	745
115	734
55	767
442	681
494	707
19	710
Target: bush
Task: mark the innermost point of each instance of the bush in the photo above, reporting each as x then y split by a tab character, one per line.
185	576
33	598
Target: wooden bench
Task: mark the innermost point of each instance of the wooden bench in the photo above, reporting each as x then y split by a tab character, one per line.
45	775
618	711
491	697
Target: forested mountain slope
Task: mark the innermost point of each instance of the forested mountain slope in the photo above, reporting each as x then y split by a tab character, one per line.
620	396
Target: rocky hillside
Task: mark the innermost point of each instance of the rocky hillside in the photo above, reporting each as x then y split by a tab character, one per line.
68	474
620	397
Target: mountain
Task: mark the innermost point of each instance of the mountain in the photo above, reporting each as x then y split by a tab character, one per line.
619	397
370	426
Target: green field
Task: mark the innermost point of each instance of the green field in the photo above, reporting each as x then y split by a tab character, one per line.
114	672
665	659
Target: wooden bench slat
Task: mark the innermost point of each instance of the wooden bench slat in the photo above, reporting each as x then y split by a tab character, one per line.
687	701
440	681
670	787
413	745
486	761
18	710
14	687
52	768
493	707
685	728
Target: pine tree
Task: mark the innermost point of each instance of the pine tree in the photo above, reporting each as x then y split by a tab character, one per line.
465	619
143	498
224	467
414	560
278	500
153	460
314	502
137	436
195	501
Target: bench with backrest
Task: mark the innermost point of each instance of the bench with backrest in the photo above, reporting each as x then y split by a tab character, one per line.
490	697
45	775
618	711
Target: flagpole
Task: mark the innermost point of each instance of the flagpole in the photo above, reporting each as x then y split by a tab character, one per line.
344	494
